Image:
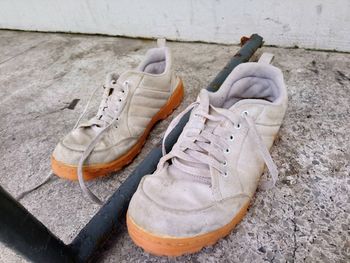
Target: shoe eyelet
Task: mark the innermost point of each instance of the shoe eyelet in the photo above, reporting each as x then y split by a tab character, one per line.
126	82
224	163
238	126
120	99
232	138
227	151
225	174
114	82
244	113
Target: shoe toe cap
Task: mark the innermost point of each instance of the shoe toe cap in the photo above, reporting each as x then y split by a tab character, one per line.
70	149
66	155
159	220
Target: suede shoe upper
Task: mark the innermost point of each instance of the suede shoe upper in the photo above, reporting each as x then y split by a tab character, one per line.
135	96
214	168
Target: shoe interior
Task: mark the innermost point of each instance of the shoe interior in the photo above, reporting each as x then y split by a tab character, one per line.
155	61
249	81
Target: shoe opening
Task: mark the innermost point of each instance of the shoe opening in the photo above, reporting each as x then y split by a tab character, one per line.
250	81
155	62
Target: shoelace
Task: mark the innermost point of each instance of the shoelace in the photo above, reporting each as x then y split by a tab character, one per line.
106	116
50	174
204	150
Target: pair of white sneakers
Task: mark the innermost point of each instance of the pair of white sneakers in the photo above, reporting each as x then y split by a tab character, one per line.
203	186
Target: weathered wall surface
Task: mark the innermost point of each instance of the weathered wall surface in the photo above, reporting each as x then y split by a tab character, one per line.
319	24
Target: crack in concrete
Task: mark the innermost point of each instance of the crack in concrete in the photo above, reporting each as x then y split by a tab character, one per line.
295	247
22	52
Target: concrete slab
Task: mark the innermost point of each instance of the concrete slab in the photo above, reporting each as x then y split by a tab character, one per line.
305	218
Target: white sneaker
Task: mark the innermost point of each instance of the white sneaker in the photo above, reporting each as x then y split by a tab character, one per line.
131	105
203	186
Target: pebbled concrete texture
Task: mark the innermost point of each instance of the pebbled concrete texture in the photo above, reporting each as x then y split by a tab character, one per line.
305	218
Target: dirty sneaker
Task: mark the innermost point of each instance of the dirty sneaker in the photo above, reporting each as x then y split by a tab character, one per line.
131	105
203	186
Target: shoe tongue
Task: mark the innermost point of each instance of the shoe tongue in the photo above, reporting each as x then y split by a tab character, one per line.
203	98
110	78
110	84
111	93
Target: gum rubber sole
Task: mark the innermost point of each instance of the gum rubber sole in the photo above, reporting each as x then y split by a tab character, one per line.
172	246
93	171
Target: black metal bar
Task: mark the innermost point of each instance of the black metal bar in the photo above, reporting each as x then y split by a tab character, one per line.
112	214
22	232
249	46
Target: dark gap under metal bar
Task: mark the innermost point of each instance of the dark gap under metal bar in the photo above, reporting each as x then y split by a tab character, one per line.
22	232
111	216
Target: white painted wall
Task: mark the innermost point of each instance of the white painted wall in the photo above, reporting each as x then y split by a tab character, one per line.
320	24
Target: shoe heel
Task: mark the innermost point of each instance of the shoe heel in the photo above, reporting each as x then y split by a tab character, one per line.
173	102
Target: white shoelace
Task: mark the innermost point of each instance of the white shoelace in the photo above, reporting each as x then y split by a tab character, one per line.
203	147
106	116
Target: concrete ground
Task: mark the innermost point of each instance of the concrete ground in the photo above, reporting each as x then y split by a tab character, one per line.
305	218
